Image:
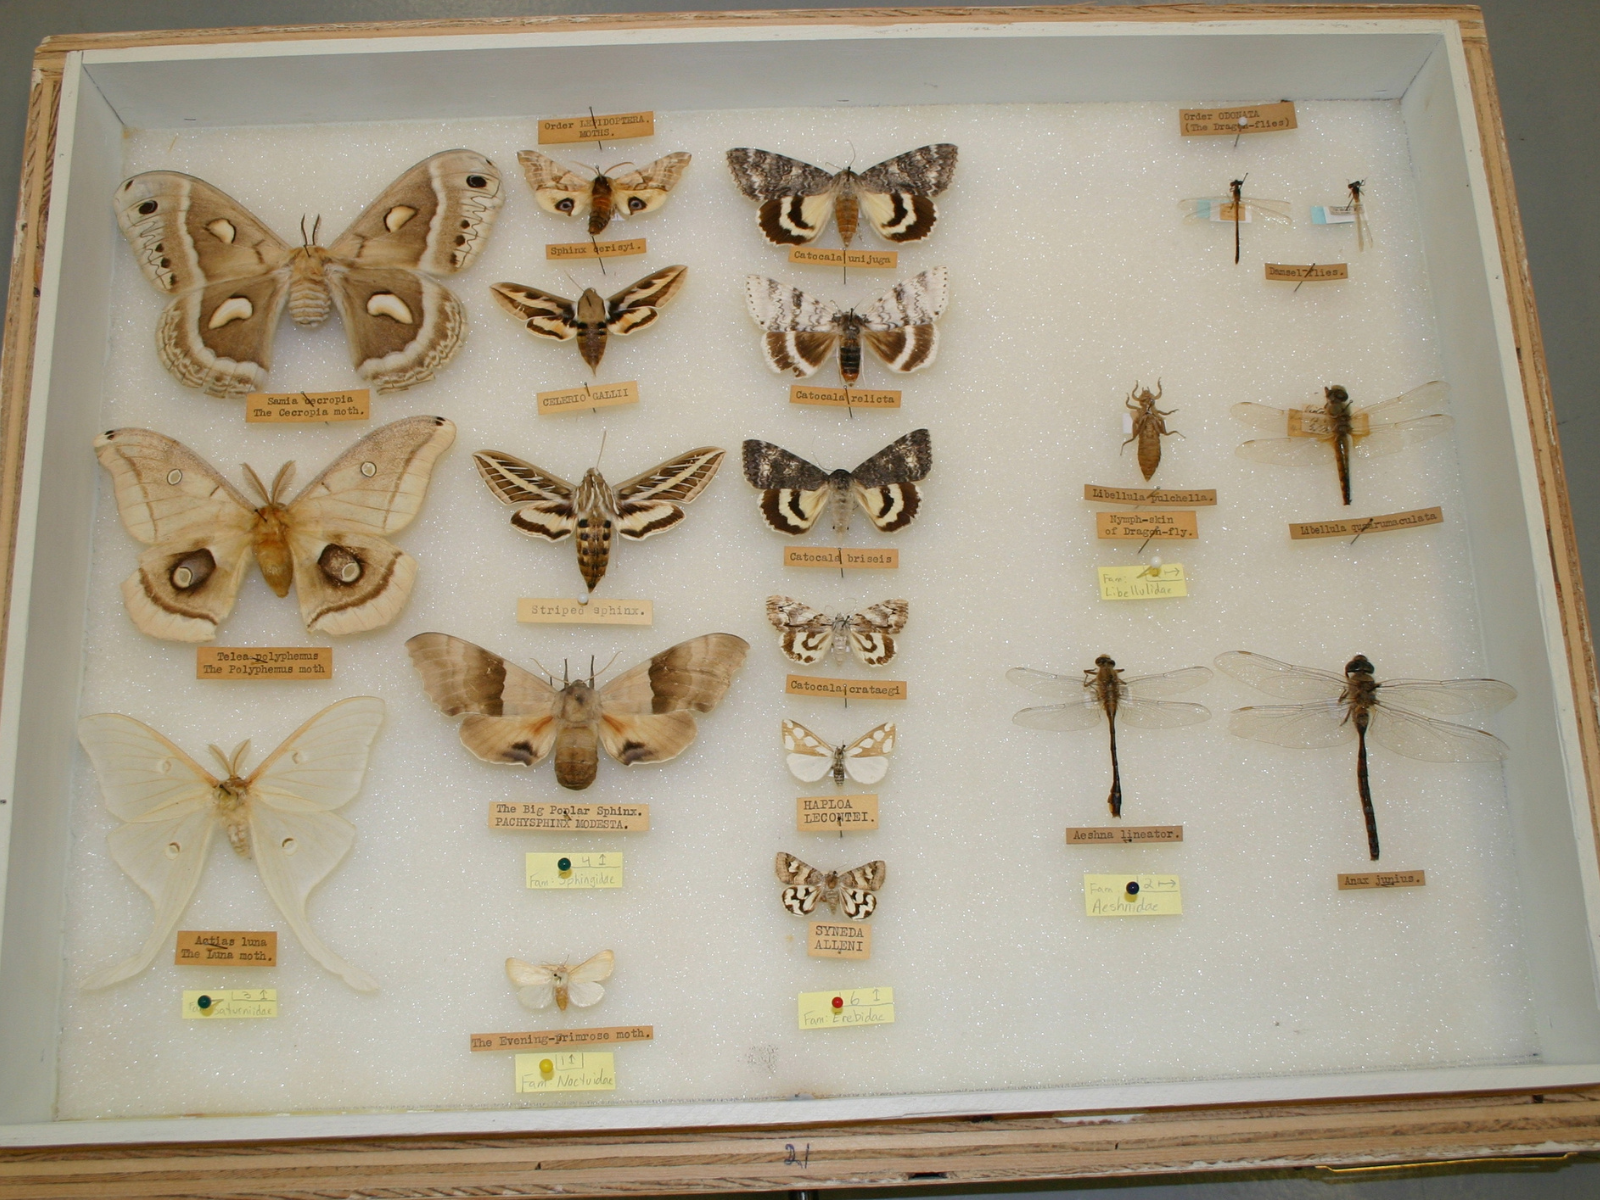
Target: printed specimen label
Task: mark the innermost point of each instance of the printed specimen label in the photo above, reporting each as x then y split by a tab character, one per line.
1176	526
801	393
263	662
836	814
1313	422
611	1035
623	248
839	939
845	689
1102	835
540	817
599	127
846	1008
1310	273
554	870
1382	879
226	947
301	408
1356	526
1150	497
836	557
1132	896
538	610
1241	118
1142	583
567	1071
607	395
222	1004
884	259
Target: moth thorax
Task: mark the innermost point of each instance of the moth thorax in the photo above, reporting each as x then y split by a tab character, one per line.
846	208
597	517
838	767
600	201
272	547
590	317
310	301
841	634
577	758
233	806
839	484
580	703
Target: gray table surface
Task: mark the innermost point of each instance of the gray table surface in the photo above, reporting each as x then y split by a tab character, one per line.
1546	55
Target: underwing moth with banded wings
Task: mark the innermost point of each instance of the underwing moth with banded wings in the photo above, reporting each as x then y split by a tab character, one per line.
802	330
539	984
549	507
231	276
590	320
866	760
567	193
644	715
855	890
796	199
330	541
807	635
795	493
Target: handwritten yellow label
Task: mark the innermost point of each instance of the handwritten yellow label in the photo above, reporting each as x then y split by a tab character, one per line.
836	814
567	1071
596	128
1382	879
1356	526
846	1008
1310	273
1132	896
1142	582
303	408
625	248
1100	835
801	393
611	1035
540	817
1176	526
555	870
221	1004
607	395
885	259
1242	118
837	556
1150	497
540	611
845	689
263	662
233	947
839	939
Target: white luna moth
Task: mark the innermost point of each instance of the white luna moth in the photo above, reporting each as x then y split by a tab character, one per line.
538	985
281	814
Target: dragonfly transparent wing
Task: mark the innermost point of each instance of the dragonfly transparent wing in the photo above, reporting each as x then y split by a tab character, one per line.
1284	451
1384	439
1447	697
1272	210
1418	402
1281	679
1046	683
1300	726
1076	714
1424	738
1202	208
1160	714
1169	683
1262	416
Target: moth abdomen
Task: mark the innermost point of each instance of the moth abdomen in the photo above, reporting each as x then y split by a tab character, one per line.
600	205
847	208
594	548
310	301
850	354
577	757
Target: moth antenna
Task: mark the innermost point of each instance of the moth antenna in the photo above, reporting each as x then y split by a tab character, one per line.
239	752
602	449
548	674
593	673
304	240
591	670
627	162
227	764
316	227
282	480
255	482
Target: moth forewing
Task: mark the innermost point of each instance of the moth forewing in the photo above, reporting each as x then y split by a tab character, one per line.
796	199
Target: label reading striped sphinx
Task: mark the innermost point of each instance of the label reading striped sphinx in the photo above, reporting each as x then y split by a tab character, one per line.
562	251
582	399
600	127
1310	273
1176	526
302	408
1382	879
263	662
535	610
836	814
540	816
234	947
873	259
801	393
836	557
838	939
1356	526
844	689
1241	118
1150	497
609	1035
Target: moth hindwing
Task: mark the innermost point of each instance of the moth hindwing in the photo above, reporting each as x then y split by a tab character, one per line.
794	493
796	199
589	320
854	892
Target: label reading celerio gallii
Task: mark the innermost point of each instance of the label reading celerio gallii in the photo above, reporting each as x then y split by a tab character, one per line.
837	556
302	408
263	662
1240	118
537	816
607	395
538	610
226	947
836	814
625	248
593	127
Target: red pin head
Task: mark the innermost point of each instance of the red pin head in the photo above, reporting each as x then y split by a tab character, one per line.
838	1001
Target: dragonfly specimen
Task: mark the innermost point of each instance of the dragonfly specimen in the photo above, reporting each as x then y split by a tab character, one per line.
1149	426
1352	433
1399	714
1102	692
1235	208
1355	209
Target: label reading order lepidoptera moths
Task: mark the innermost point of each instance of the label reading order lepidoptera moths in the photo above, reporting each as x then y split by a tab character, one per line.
1382	879
1309	273
1242	118
624	248
836	814
223	1003
1138	582
1356	526
1101	835
874	259
836	557
801	393
611	1035
582	399
1111	896
263	662
557	870
845	689
302	408
846	1008
537	816
1176	526
537	610
597	127
838	939
230	947
567	1071
1150	497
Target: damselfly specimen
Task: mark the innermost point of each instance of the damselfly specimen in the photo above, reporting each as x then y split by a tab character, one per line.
1234	208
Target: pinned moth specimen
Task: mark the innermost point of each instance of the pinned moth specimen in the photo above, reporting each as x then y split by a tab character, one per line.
645	715
1149	427
281	814
866	760
538	985
1352	433
802	330
795	493
855	890
551	508
1399	714
896	196
590	320
330	541
567	193
231	276
1234	208
807	635
1102	692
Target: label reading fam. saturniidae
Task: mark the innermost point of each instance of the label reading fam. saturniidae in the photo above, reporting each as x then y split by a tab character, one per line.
804	393
845	689
839	939
1356	526
223	1003
537	816
611	1035
1140	582
263	662
836	814
879	259
538	610
593	127
1241	118
839	556
1132	896
1101	835
567	1071
624	248
846	1008
1150	497
231	947
1307	273
582	399
1382	879
556	870
302	408
1175	526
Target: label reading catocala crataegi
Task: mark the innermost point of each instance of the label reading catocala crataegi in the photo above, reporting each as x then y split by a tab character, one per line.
263	662
835	814
540	817
844	689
